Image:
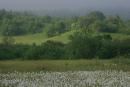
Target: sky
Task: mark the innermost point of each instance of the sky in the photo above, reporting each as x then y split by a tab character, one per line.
63	4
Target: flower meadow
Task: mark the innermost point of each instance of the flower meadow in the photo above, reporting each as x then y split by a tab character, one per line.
66	79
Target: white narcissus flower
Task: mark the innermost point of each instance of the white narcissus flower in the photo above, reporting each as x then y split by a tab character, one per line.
66	79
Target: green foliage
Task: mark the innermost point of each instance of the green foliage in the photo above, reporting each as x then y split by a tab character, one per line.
89	42
83	45
107	50
97	15
48	50
127	30
6	52
97	22
10	50
52	49
8	40
13	23
56	29
16	23
123	47
91	21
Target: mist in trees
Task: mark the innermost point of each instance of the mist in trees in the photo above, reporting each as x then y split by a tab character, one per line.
15	23
93	39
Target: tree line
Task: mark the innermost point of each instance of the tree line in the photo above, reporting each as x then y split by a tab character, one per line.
21	23
82	45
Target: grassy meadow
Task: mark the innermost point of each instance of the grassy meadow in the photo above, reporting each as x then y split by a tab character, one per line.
64	38
40	38
64	65
41	53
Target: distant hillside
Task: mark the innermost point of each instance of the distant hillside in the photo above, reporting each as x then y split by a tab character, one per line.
41	38
28	29
67	13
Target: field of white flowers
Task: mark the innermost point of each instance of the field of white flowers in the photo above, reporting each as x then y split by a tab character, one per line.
66	79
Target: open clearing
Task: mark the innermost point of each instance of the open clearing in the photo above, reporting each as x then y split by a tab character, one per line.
65	73
42	37
64	65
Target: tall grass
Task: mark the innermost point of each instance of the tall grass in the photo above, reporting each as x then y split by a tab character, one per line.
65	65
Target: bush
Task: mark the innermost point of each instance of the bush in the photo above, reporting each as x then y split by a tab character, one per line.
83	45
48	50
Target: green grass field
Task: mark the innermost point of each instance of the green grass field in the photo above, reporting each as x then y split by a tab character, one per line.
64	65
41	38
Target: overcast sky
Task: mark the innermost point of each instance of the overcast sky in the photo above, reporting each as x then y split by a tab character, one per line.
60	4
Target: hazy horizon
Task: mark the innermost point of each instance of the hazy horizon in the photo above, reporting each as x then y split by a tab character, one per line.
63	4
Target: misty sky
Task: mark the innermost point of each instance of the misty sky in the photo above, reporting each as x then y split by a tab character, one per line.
63	4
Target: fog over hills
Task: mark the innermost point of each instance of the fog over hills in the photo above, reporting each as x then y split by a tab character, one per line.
120	7
68	4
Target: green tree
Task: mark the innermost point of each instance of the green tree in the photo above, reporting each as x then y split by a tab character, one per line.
83	45
97	15
48	50
56	29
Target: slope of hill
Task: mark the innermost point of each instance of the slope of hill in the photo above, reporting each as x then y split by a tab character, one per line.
42	37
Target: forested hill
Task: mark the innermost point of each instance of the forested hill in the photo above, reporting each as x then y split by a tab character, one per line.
68	13
90	36
23	23
28	28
